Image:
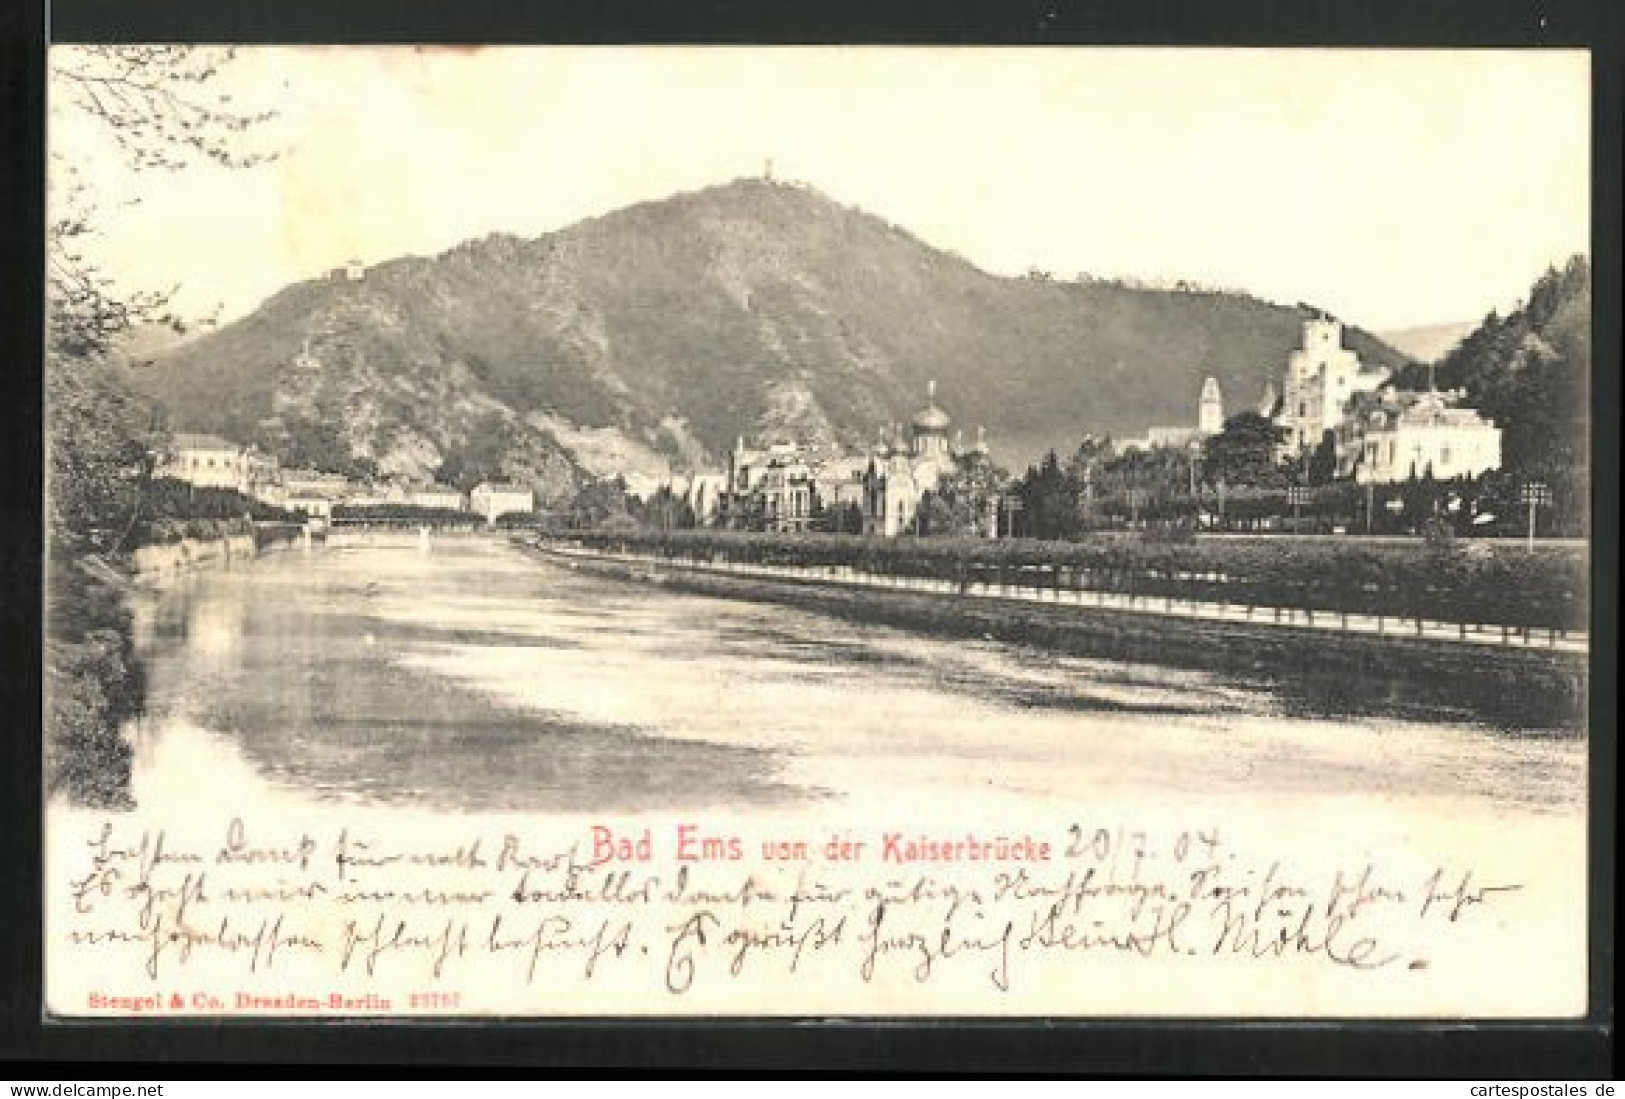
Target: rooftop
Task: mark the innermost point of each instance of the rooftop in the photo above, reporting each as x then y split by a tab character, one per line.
187	440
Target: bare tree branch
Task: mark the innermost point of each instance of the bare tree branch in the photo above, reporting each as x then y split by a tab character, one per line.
163	108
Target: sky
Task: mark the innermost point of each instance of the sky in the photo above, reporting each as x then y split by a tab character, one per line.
1393	188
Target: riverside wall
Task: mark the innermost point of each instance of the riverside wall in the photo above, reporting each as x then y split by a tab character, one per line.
1515	685
154	564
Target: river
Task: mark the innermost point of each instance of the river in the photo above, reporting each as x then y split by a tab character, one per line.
468	676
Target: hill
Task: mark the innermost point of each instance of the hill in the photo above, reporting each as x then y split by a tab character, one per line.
1428	342
664	330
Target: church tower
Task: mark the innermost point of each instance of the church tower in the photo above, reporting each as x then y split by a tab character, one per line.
1210	417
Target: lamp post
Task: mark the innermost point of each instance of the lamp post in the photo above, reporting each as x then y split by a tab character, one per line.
1298	495
1396	507
1536	494
1012	504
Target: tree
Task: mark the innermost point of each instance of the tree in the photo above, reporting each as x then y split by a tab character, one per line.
838	518
1322	469
601	503
318	444
137	109
140	108
964	500
1529	372
1161	471
479	457
1087	467
1244	452
663	510
1049	500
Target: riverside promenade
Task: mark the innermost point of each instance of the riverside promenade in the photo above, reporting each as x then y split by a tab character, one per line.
1324	661
1477	634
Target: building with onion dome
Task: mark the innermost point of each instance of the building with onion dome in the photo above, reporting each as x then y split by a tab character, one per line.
788	487
902	470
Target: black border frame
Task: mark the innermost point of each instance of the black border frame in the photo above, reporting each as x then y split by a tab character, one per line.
925	1046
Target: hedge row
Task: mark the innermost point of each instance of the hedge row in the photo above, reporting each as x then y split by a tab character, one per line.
1473	583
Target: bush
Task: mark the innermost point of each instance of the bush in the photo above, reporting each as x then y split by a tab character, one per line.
93	685
1438	534
169	498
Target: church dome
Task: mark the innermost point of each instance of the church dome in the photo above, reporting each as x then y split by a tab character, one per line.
931	418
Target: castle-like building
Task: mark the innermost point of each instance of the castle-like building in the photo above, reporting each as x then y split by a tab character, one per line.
1322	376
1380	433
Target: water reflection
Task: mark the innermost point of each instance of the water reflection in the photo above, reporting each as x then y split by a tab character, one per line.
474	677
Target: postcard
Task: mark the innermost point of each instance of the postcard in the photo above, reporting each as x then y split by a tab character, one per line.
830	531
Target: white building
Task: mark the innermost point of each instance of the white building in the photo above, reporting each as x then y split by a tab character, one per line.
493	499
838	482
770	488
1397	435
207	461
1171	438
435	496
1321	377
310	504
296	482
372	496
787	494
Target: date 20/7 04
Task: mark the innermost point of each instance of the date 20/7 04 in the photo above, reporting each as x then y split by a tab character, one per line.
1114	844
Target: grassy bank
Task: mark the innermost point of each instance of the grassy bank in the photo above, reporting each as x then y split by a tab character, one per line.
93	685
